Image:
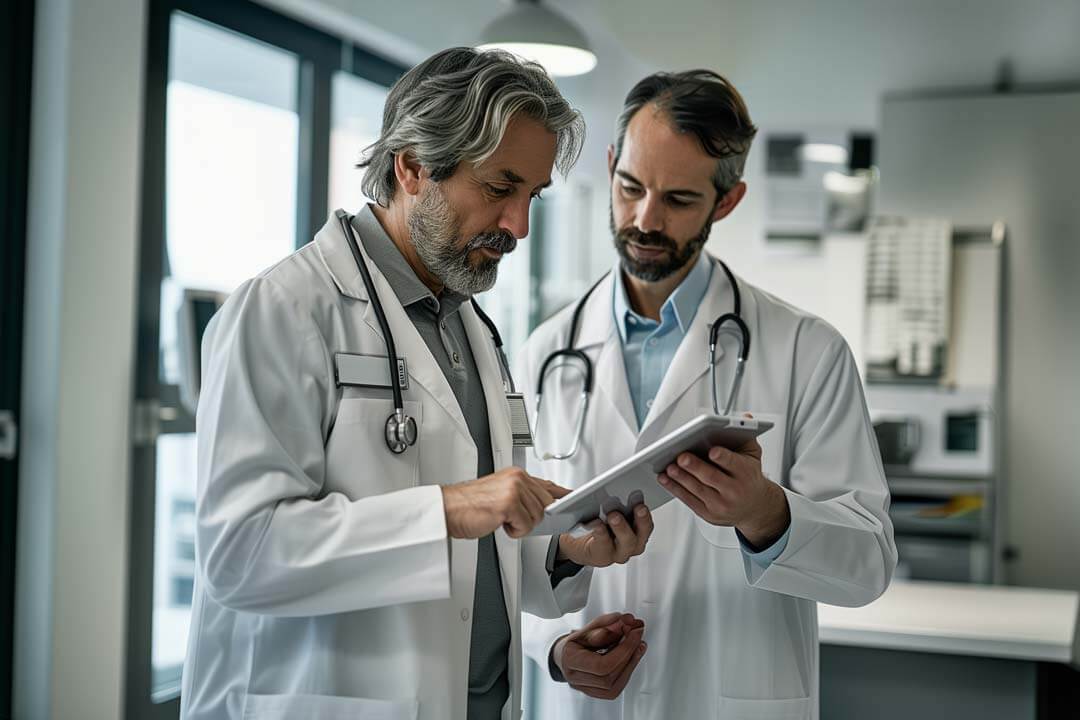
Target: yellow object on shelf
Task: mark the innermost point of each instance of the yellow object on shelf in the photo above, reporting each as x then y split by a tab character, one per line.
955	507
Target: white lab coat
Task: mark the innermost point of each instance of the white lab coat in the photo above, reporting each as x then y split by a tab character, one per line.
327	586
726	639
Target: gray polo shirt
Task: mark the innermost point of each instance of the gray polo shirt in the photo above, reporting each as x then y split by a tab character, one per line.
439	324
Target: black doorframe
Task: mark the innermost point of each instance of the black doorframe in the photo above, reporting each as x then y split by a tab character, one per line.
320	55
16	60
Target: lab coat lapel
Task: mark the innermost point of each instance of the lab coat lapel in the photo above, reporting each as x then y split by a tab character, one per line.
609	369
490	370
691	357
509	552
423	368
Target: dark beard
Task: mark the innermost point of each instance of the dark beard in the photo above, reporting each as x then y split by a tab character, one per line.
650	270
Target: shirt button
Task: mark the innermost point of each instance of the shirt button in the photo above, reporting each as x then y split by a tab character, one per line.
457	358
648	403
465	615
633	320
443	324
652	343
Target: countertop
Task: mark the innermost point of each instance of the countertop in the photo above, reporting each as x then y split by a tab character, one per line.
978	620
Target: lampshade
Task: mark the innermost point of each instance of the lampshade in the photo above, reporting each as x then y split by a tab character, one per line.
538	33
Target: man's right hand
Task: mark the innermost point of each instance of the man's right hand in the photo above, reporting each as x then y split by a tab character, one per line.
599	658
510	498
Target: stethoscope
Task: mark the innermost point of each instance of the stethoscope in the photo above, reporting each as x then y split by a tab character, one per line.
401	428
566	357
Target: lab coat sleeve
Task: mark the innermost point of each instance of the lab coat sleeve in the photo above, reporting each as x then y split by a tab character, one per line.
537	595
539	636
270	540
840	549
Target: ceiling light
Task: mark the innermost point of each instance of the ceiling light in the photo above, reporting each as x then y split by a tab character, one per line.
538	33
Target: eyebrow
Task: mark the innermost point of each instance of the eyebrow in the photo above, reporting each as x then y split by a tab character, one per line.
513	177
680	191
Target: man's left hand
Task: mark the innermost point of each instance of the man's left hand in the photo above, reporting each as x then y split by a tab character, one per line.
612	542
730	489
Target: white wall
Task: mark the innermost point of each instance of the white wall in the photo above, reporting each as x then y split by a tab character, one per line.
71	605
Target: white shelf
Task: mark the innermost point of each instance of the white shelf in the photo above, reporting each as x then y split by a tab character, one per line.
935	487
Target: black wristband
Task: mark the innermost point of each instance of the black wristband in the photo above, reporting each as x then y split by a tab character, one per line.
563	570
553	669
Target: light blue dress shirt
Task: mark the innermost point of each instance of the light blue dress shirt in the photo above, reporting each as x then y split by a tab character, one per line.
649	348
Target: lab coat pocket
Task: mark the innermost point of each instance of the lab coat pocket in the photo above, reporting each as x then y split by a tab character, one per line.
743	709
327	707
358	461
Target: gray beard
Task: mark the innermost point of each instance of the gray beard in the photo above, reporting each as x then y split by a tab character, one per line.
435	233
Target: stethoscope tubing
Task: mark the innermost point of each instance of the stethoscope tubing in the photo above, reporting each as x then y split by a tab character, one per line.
569	351
401	429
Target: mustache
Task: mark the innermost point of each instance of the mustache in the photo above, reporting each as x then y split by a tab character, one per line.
649	239
502	242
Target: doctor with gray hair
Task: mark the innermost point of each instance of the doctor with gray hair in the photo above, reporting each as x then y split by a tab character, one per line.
362	513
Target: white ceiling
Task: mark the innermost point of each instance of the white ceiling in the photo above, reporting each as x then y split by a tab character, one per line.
807	61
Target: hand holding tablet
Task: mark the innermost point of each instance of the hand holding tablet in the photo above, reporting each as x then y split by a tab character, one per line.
633	481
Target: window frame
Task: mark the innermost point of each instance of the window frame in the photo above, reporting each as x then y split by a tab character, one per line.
320	55
15	95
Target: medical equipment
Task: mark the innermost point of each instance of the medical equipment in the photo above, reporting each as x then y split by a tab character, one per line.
401	429
565	357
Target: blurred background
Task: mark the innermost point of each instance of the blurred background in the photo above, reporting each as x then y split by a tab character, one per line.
913	182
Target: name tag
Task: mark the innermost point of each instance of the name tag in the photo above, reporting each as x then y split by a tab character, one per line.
368	371
519	421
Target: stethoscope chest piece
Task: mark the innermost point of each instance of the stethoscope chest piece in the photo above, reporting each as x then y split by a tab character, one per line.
401	432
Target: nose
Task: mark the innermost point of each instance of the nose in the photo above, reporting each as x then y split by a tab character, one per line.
650	214
515	217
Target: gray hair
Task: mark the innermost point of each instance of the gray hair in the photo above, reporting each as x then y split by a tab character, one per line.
702	103
455	107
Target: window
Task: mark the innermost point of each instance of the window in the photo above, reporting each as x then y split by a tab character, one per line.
230	212
355	121
251	121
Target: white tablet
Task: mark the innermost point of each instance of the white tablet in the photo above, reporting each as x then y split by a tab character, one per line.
633	481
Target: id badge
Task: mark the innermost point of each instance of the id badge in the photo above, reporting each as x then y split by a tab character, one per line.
519	421
368	371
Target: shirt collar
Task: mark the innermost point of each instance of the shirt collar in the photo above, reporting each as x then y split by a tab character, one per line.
682	304
396	269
